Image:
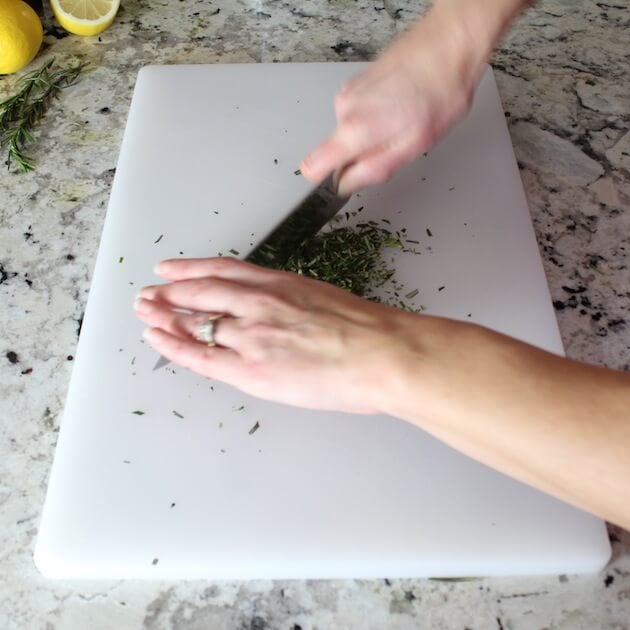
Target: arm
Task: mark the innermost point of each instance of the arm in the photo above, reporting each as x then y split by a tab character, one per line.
556	424
553	423
412	93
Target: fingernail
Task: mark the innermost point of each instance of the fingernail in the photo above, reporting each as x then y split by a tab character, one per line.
307	165
152	335
343	189
141	305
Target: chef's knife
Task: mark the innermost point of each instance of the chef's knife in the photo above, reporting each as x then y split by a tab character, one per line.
305	220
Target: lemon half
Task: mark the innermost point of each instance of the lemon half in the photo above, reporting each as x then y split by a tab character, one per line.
85	17
21	35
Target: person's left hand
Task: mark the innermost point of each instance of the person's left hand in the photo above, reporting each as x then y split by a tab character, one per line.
280	336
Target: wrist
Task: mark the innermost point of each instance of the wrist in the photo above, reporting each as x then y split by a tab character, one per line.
481	23
463	35
415	373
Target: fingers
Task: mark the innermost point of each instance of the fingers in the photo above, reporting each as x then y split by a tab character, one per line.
226	268
215	362
209	295
329	156
228	332
176	323
378	166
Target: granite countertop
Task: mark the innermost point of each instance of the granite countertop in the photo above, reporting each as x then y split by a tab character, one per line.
563	74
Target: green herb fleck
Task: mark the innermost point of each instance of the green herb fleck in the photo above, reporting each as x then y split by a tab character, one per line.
240	408
348	257
159	238
254	428
176	413
155	561
429	233
137	412
298	172
121	259
235	252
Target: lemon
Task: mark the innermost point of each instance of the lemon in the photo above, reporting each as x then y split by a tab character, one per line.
85	17
21	35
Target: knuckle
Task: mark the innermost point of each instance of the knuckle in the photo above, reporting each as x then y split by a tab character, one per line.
267	300
222	263
198	287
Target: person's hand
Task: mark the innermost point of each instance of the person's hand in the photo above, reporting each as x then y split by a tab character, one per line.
303	342
281	336
409	97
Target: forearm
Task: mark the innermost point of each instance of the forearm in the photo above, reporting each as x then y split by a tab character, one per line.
558	425
482	22
464	32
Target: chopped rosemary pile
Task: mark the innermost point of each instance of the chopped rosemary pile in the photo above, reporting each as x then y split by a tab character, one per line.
352	259
21	112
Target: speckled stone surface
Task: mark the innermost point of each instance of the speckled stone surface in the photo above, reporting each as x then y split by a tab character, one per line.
563	74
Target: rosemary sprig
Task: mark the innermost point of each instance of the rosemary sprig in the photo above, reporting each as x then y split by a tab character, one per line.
20	113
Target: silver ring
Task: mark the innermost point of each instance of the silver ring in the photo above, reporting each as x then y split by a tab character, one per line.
205	332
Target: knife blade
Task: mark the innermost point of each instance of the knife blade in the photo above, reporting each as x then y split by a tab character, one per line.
303	221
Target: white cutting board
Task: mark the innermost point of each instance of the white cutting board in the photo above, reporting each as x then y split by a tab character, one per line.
309	494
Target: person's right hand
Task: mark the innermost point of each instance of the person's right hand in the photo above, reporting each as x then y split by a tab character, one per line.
397	108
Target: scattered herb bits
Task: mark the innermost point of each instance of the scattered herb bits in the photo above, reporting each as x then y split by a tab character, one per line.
351	258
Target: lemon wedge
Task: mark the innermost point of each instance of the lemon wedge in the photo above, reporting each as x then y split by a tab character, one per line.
85	17
21	35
